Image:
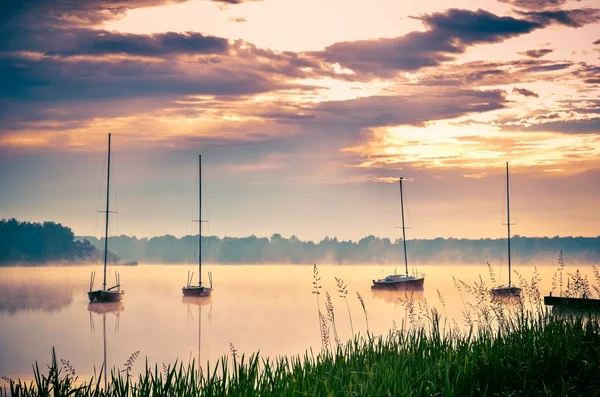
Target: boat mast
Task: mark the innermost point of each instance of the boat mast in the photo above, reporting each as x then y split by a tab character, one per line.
107	209
403	229
508	223
199	220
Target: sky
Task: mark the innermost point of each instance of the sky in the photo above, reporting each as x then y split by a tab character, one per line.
305	113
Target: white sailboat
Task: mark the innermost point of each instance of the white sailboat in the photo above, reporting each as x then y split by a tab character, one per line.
198	290
112	294
401	281
510	290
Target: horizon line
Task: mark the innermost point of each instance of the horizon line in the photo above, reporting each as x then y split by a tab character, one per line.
339	240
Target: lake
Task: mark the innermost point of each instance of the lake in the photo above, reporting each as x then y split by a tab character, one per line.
266	308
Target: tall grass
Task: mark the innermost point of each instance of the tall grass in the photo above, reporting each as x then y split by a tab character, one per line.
530	355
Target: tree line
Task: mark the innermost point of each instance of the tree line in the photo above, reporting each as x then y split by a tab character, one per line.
34	242
370	249
31	242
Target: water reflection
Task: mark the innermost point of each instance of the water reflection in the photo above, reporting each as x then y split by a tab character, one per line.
398	297
508	301
103	309
259	308
199	302
108	307
27	296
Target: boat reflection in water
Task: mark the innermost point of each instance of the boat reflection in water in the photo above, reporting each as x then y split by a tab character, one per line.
104	309
397	297
200	302
408	302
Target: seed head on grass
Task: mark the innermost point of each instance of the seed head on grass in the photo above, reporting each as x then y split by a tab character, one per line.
233	351
597	277
331	317
561	266
316	280
578	285
409	306
317	292
324	331
130	361
534	289
492	275
67	367
343	293
362	303
342	289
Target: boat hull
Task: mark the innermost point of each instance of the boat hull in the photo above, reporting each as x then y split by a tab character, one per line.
100	296
196	291
506	292
415	284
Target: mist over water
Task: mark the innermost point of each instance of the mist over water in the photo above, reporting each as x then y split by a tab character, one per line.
266	308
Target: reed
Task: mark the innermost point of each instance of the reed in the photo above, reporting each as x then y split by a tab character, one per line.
532	353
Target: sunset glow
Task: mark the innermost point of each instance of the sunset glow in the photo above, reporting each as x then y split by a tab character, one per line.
305	111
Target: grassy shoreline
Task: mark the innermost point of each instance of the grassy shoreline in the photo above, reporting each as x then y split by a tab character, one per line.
532	354
506	348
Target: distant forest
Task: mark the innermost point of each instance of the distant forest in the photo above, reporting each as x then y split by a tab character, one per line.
371	249
27	242
50	242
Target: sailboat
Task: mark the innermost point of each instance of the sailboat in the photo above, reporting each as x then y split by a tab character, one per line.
112	294
401	281
510	290
198	290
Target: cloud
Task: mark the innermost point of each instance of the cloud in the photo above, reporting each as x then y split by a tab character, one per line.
548	68
535	4
408	109
597	42
238	20
574	18
68	12
479	73
55	80
589	126
446	145
93	42
537	53
448	34
590	74
525	92
232	1
471	27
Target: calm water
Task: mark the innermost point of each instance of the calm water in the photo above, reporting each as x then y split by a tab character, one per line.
268	308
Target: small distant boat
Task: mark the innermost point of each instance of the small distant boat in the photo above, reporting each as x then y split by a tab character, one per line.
198	290
112	294
510	290
401	281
